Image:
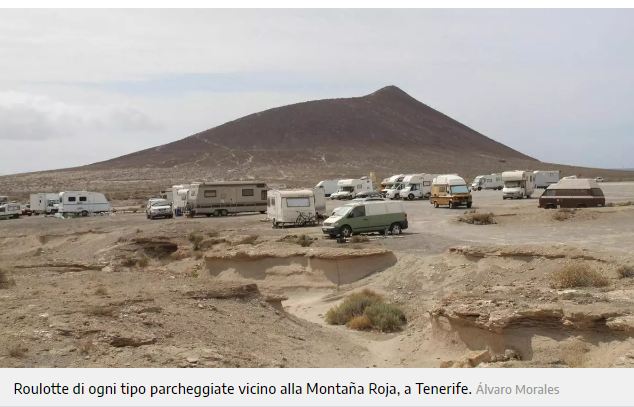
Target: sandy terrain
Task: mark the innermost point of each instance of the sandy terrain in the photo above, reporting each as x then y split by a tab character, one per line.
122	290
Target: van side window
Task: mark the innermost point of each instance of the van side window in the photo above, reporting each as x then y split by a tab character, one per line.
82	199
549	192
247	192
358	211
298	202
263	195
426	183
210	193
71	199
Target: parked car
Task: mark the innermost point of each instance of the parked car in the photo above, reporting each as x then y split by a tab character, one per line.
368	194
368	199
599	179
159	209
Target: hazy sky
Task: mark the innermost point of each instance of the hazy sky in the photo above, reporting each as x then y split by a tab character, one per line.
82	86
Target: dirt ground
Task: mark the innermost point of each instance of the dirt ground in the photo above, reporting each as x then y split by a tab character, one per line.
122	290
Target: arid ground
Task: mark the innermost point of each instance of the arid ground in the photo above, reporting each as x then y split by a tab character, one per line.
122	290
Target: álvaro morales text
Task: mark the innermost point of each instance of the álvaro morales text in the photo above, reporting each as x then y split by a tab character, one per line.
488	389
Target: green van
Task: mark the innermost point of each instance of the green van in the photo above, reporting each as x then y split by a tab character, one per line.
366	217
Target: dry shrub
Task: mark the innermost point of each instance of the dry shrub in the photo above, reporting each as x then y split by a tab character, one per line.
5	280
626	203
85	346
101	291
385	317
142	261
353	306
99	311
195	239
625	271
16	350
212	233
475	218
564	214
250	239
360	323
302	240
42	239
578	275
359	239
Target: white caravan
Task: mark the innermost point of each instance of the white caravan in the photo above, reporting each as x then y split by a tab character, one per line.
544	178
491	181
518	184
44	203
224	198
83	203
329	186
348	188
167	194
179	199
10	210
417	186
295	207
389	183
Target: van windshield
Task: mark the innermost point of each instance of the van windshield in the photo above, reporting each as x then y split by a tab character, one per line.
341	211
512	184
459	189
346	189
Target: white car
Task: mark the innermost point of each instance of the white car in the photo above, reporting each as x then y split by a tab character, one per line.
158	208
599	179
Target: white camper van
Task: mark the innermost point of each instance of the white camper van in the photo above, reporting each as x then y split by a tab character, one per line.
44	203
83	203
348	188
390	182
179	199
224	198
10	210
545	178
296	207
491	181
518	184
416	186
329	186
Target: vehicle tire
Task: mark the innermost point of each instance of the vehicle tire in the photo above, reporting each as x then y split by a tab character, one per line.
208	215
275	225
436	204
469	205
262	212
223	212
395	229
479	188
216	213
504	198
84	213
346	231
452	205
410	197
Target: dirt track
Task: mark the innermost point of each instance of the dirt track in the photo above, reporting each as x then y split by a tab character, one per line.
125	291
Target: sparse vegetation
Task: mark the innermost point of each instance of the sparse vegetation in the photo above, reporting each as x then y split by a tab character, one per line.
250	239
625	203
302	240
5	280
195	239
474	218
366	310
564	214
142	261
212	233
625	271
578	275
85	346
101	290
99	311
17	350
359	239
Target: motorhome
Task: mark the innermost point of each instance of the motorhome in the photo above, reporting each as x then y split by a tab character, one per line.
491	181
545	178
572	193
451	190
179	198
366	217
297	207
167	194
417	186
329	186
518	184
44	203
348	188
390	182
227	197
10	210
83	203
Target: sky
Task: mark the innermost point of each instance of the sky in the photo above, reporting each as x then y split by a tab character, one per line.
81	86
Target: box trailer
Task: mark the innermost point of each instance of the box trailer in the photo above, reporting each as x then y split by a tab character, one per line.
295	207
518	184
545	178
491	181
348	188
83	203
224	198
417	186
44	203
329	186
451	190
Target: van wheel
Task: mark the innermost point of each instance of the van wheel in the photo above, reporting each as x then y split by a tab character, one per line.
410	197
224	212
479	188
395	229
469	204
84	213
435	204
275	225
346	231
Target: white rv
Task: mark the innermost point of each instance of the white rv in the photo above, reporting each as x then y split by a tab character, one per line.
518	184
329	186
10	210
348	188
389	183
491	181
83	203
296	207
179	199
224	198
545	178
44	203
167	194
416	186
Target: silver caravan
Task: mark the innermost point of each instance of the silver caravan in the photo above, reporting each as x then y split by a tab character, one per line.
179	198
491	181
44	203
329	186
545	178
298	207
83	203
224	198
